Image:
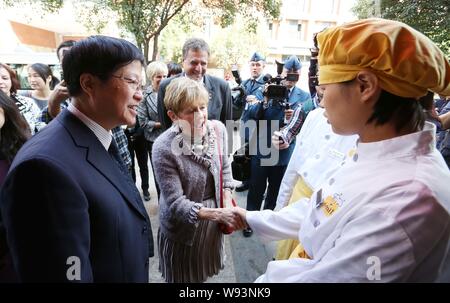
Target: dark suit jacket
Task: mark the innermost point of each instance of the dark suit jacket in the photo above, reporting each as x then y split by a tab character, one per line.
65	196
219	105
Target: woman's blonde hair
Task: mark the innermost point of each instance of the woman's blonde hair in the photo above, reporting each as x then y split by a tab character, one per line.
182	93
154	68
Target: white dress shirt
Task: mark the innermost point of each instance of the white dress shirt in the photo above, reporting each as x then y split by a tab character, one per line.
102	134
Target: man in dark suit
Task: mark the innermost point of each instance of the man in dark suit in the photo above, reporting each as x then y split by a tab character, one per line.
71	210
195	62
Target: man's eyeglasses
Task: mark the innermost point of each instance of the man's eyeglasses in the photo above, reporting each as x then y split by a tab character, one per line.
134	83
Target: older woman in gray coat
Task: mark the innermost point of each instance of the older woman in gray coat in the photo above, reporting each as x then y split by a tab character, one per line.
189	158
147	111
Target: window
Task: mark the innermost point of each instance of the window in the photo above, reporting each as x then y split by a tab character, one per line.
272	30
323	7
294	9
299	5
294	30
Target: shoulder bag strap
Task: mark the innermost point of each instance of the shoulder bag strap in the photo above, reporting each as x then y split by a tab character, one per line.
218	138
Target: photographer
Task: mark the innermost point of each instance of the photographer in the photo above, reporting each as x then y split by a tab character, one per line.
254	86
282	139
296	95
281	100
252	91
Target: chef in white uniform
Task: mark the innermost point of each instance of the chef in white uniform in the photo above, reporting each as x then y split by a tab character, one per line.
319	152
384	215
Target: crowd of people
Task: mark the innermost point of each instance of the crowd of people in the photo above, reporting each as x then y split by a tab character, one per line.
349	171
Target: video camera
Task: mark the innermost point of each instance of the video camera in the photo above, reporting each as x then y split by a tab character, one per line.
237	91
277	91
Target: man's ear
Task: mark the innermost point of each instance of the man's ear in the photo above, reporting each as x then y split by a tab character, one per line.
88	83
172	115
368	85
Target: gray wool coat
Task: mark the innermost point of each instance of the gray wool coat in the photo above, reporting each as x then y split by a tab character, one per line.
181	176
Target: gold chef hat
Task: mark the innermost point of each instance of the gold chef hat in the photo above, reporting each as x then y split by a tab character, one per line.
407	63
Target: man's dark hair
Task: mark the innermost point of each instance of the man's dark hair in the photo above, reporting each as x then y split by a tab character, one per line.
195	44
404	113
427	101
100	56
67	43
173	69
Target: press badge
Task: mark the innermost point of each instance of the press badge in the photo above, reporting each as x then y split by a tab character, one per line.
329	206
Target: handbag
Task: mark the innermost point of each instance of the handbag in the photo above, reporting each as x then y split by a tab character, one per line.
223	227
241	165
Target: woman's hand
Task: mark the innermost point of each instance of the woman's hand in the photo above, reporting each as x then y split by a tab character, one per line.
241	212
231	218
225	216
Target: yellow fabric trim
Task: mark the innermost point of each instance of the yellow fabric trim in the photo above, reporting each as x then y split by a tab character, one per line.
300	191
299	252
286	247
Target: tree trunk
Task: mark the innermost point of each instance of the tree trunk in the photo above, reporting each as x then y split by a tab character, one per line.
146	49
155	47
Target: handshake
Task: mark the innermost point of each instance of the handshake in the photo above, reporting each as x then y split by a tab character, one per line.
231	219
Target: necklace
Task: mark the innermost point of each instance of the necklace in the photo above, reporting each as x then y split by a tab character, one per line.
198	146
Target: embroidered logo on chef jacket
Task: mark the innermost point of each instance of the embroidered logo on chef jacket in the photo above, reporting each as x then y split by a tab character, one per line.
335	154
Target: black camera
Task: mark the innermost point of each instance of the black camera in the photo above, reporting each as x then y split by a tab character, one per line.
237	94
276	91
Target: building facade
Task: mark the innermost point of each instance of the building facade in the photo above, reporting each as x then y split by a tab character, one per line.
292	33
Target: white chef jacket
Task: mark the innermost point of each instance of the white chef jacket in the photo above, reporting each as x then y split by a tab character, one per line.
318	153
391	204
